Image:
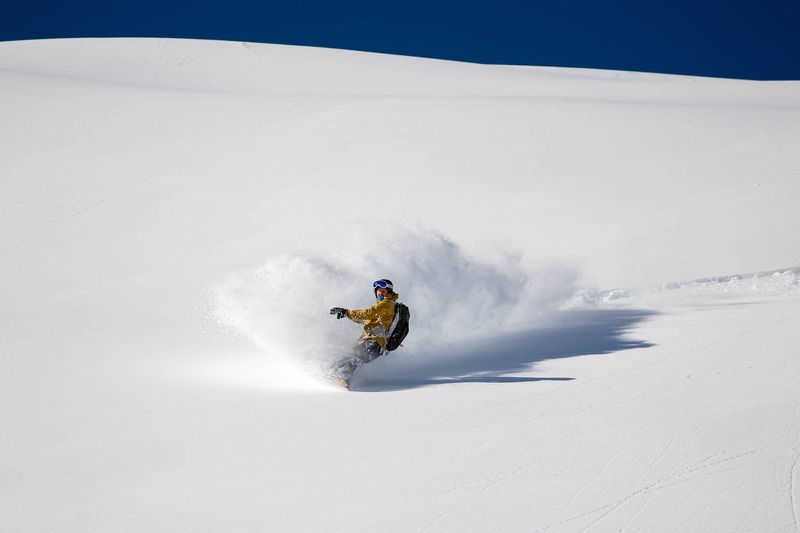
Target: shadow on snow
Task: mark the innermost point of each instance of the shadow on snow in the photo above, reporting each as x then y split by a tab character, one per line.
574	333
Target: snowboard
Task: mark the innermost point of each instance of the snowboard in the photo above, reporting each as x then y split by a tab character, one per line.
339	382
341	372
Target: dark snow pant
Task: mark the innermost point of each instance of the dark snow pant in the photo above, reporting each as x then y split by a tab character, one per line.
364	352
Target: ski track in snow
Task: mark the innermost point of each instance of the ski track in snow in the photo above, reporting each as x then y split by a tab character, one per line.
793	484
77	213
61	222
664	482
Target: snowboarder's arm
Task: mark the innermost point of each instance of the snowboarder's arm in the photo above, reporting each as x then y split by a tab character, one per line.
362	315
381	312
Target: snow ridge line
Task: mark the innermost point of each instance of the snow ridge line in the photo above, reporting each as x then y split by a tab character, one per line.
782	280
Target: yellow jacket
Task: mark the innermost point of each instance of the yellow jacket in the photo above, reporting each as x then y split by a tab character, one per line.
376	319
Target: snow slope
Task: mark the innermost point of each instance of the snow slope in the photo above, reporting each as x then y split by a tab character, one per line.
602	266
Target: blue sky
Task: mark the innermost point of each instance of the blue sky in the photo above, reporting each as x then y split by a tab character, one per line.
723	38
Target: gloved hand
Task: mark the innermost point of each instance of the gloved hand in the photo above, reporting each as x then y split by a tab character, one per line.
340	312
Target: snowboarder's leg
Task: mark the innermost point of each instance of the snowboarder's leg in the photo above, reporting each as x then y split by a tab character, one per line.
368	351
344	367
363	353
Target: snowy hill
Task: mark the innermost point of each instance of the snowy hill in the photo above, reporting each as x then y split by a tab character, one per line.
603	269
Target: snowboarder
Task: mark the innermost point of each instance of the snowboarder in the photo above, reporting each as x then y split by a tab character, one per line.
376	321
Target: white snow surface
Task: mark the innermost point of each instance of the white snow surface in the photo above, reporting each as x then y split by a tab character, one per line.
603	270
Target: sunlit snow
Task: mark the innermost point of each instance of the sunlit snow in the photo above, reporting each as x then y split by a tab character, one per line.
603	270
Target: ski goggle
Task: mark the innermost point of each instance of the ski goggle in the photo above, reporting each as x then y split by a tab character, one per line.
380	284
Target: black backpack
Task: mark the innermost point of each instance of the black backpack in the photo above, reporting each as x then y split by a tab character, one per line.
399	328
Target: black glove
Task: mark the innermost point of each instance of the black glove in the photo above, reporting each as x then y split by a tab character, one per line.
340	312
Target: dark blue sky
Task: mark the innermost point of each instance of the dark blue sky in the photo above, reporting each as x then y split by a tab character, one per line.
755	39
